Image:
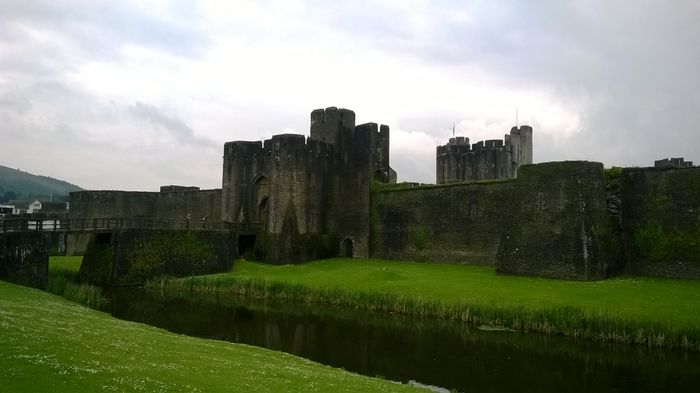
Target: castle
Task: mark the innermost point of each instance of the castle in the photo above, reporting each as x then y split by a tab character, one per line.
491	159
294	198
308	192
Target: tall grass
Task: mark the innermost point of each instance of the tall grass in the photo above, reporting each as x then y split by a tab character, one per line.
555	320
64	282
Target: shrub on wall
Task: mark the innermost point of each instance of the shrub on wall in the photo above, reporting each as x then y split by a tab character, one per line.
654	243
177	252
419	238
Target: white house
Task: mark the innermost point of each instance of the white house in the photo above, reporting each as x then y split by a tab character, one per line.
34	206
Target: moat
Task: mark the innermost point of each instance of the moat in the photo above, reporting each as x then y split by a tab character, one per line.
445	354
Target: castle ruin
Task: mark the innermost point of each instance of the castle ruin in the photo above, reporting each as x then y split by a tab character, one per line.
678	162
293	198
491	159
308	192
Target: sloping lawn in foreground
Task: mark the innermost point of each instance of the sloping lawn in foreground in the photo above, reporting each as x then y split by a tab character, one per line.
650	311
48	344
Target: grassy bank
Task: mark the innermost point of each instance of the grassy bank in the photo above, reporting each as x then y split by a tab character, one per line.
650	311
51	344
63	281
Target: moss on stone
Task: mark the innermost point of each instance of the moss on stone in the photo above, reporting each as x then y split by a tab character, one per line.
135	256
98	263
150	256
419	238
655	244
612	174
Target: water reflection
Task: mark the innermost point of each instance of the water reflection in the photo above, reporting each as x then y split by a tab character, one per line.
440	353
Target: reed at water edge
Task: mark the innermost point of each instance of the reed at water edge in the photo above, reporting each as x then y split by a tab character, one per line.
65	283
563	320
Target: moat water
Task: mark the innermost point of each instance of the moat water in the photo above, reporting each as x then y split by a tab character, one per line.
443	354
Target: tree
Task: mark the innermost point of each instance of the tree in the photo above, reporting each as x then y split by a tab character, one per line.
9	195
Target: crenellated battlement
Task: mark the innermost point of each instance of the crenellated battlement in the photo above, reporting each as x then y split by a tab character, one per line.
458	160
327	124
677	162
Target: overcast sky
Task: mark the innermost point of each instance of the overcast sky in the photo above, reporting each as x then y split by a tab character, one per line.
122	95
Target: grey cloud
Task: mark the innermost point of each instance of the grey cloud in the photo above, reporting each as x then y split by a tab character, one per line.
59	130
14	103
630	66
91	30
173	125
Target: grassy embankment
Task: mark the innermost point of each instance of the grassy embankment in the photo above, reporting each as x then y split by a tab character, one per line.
651	311
51	344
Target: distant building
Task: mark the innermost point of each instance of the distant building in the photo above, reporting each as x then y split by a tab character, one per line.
673	163
34	207
6	210
20	206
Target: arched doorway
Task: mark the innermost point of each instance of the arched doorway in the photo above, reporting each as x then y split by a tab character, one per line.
346	246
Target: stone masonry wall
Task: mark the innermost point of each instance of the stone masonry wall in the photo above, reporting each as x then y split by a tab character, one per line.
24	258
552	221
127	257
281	187
453	223
158	205
558	225
661	221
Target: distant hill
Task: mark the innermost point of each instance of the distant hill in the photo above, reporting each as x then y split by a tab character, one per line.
16	184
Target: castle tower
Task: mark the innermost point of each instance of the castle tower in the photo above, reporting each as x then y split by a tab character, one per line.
520	146
307	198
327	124
459	161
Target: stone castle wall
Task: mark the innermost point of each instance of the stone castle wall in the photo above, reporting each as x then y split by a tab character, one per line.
310	196
661	221
459	223
165	205
133	256
459	160
558	223
24	258
551	221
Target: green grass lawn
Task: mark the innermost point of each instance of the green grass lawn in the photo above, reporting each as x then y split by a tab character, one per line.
658	299
49	344
65	263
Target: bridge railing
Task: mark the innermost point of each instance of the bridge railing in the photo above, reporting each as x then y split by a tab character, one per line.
100	224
